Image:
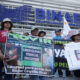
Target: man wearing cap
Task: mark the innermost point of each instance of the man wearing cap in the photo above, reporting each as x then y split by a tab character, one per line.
58	35
34	31
6	26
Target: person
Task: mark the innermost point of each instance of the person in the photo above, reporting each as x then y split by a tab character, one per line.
42	34
76	38
58	35
34	31
6	26
37	33
60	72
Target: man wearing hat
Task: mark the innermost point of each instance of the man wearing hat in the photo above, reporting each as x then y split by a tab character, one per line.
35	32
6	26
76	37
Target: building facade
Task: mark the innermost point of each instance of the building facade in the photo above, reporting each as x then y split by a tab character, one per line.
47	15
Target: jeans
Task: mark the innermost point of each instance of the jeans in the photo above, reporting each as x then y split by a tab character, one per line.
7	76
36	77
1	67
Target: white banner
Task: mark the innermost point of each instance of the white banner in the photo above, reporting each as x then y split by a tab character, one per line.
72	53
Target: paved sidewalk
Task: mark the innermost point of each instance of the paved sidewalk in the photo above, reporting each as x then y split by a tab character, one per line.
60	78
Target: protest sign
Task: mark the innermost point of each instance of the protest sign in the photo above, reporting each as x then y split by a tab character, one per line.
27	54
72	53
59	54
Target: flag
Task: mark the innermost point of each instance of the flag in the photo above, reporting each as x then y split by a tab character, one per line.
66	28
